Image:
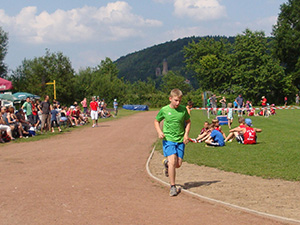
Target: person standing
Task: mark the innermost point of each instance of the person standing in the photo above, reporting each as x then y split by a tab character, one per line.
297	99
175	135
285	101
240	103
27	107
84	105
44	107
115	106
94	111
223	102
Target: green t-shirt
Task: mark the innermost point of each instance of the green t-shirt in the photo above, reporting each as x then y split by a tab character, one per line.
174	122
28	107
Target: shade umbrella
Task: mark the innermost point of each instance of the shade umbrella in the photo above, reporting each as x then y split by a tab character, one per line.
5	84
8	97
23	95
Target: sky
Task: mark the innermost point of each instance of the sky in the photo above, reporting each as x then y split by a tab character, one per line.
89	31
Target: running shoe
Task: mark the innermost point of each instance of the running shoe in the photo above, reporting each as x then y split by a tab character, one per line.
193	140
166	168
173	191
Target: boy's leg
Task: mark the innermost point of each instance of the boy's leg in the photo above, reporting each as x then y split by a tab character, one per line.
172	165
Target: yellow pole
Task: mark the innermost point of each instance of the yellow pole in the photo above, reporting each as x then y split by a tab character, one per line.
54	87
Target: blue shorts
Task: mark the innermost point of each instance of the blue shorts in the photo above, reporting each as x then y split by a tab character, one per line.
171	148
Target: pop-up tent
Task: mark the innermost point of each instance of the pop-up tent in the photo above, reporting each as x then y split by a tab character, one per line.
5	85
23	95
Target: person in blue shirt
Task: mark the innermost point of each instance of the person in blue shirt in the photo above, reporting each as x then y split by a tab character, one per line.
216	138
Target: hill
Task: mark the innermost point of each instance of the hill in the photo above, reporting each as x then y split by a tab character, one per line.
144	63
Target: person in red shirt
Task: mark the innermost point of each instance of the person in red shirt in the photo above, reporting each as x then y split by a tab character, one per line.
285	101
249	133
94	111
263	101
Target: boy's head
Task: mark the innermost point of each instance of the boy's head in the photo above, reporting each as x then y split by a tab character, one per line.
248	122
211	126
206	124
175	98
215	122
241	120
229	105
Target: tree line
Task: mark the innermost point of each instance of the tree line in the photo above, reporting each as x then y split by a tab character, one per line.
251	65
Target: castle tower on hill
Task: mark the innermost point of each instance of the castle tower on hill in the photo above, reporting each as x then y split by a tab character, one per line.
165	67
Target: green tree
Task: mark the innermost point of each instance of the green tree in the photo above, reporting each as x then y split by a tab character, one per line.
105	82
210	60
256	72
172	80
3	52
33	75
286	44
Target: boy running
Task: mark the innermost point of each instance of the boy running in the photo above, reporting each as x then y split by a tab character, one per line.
175	135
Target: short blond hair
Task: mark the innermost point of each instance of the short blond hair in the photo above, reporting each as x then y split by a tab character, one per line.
176	93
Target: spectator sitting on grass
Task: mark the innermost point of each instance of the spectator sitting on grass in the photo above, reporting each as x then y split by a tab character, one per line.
249	133
216	138
236	134
64	117
217	126
21	118
70	115
12	120
5	127
204	134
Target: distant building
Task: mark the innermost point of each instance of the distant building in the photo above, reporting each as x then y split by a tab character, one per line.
165	67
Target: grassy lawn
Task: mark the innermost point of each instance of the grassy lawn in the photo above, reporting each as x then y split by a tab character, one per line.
277	154
121	113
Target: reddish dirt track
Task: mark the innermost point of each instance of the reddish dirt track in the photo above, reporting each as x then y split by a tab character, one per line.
98	176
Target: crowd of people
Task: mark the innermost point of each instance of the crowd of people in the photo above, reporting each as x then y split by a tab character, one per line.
35	116
240	107
212	133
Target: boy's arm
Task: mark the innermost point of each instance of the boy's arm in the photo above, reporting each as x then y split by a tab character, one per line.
158	130
187	131
237	129
258	130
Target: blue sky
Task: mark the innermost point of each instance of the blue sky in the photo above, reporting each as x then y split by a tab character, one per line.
91	30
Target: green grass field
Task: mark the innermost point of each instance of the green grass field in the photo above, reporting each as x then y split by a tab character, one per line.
276	155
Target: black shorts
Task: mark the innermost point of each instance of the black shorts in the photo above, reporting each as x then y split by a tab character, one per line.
240	138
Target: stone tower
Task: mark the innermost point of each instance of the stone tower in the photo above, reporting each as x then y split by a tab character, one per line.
165	67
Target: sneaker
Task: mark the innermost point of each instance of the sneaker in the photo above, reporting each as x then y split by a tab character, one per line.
193	140
230	140
166	169
93	125
199	141
173	191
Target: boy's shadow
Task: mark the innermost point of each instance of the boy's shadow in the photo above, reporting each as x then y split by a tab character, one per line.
189	185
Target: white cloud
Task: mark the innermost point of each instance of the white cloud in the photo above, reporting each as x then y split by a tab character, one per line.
111	22
201	10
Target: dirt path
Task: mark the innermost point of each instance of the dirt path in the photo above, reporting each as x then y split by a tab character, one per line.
98	176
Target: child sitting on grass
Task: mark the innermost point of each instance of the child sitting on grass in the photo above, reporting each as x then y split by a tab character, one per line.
234	134
216	138
249	133
217	126
204	134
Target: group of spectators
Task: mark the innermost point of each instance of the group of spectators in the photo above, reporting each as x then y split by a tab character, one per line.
35	116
